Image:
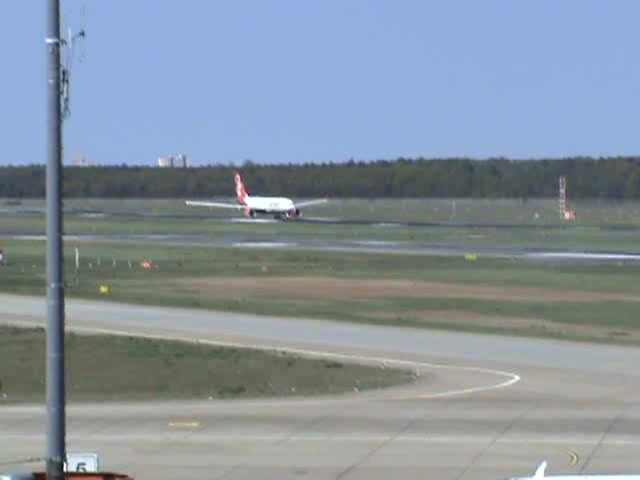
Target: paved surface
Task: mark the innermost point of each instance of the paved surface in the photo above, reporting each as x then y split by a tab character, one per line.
484	407
365	246
211	215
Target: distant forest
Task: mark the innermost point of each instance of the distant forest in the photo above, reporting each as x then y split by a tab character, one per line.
612	178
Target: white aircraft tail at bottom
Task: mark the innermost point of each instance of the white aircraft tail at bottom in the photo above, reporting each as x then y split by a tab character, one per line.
540	475
279	207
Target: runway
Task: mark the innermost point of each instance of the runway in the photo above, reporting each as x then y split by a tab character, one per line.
483	407
353	246
216	217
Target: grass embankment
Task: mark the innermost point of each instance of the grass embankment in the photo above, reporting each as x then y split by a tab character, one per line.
112	368
576	301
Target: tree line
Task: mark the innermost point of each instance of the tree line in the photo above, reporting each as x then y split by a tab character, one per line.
612	178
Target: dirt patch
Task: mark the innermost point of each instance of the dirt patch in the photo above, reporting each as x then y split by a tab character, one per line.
348	289
459	318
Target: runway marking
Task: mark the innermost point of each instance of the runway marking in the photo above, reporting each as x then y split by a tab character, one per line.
376	243
262	244
584	255
574	458
184	424
387	224
249	220
512	378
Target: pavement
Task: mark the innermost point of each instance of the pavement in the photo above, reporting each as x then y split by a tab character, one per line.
353	246
210	215
483	406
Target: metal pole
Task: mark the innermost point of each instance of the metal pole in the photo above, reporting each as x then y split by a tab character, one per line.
55	285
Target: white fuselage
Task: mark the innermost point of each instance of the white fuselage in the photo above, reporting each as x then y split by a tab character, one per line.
270	204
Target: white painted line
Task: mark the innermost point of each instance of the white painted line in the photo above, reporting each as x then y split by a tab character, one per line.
262	244
27	237
250	220
585	255
377	243
387	224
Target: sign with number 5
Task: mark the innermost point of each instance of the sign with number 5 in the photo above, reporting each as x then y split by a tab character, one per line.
82	462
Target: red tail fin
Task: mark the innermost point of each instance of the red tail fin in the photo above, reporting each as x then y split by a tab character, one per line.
241	192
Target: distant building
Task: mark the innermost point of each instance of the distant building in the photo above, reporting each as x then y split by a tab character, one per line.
174	161
164	162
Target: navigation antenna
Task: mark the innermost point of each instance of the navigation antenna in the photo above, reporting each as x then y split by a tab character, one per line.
68	50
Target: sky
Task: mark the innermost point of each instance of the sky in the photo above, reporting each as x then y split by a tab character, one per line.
291	81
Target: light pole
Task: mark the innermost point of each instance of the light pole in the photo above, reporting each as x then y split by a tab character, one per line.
55	281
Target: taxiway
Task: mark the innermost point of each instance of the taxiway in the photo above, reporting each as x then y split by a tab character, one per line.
483	407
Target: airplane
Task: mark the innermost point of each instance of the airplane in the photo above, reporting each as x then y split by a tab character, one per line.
281	208
540	475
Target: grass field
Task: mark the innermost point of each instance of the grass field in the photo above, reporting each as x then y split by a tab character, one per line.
575	301
109	368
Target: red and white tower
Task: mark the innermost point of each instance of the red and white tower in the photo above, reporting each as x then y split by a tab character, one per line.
565	214
562	207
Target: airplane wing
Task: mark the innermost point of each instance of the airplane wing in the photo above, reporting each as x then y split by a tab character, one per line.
540	471
215	204
312	202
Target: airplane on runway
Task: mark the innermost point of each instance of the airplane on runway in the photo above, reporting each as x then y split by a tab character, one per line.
281	208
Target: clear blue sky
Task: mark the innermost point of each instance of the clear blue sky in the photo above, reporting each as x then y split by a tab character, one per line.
326	80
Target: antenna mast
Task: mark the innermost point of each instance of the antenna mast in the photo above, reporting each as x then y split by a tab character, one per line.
65	70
